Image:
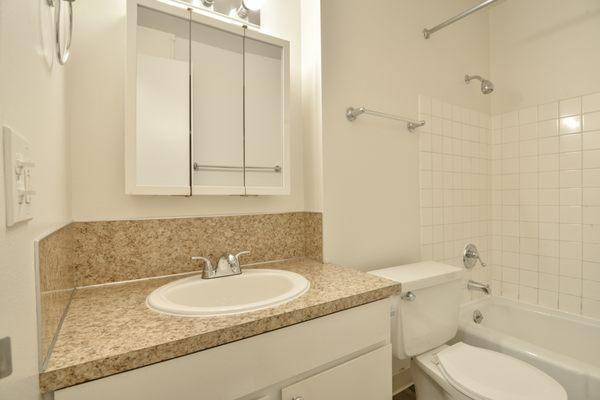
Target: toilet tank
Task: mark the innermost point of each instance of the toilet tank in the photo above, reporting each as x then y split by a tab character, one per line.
429	317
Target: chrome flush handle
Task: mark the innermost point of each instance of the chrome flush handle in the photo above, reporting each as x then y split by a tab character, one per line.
409	296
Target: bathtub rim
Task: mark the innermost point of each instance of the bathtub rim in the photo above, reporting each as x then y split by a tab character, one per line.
581	319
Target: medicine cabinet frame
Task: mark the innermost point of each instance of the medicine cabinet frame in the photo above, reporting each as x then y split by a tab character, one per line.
132	186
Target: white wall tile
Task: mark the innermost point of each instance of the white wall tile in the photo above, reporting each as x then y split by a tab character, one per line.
571	178
548	197
591	252
591	159
570	107
591	214
571	232
590	308
591	103
591	290
549	265
548	128
569	125
548	145
591	177
549	162
570	267
591	140
591	196
570	214
510	119
548	111
510	291
528	295
528	115
570	160
591	271
549	248
548	299
570	142
591	121
548	282
569	303
570	286
570	196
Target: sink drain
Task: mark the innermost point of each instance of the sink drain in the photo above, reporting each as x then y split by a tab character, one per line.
477	316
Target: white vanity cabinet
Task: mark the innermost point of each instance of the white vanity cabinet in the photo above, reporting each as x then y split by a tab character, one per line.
206	107
333	357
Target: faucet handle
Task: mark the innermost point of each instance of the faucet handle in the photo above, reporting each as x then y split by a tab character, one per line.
234	261
207	262
471	256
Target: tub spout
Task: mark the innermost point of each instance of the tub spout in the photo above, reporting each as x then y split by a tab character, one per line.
482	287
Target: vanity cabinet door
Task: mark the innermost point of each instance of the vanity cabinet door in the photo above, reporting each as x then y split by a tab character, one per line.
217	110
366	377
265	120
159	111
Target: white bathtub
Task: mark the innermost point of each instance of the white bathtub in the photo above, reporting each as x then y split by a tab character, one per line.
565	346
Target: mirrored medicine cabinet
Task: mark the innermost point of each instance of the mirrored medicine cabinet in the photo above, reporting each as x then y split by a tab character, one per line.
207	105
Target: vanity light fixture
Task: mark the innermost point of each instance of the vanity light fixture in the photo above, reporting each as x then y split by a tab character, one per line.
249	5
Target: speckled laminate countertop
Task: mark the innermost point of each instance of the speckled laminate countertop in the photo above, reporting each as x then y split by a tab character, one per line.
109	329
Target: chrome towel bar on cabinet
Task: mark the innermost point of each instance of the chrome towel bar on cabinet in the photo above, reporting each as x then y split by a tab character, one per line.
199	167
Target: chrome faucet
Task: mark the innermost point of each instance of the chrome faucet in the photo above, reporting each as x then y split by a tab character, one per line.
482	287
229	264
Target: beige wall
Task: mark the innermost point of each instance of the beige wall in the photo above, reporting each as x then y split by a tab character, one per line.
312	105
375	55
32	101
96	95
542	51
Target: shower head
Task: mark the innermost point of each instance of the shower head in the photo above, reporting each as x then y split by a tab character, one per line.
487	87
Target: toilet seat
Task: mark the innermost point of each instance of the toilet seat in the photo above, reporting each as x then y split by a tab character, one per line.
482	374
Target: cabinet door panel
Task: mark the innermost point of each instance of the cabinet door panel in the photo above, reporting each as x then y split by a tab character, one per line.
264	112
366	377
162	104
217	104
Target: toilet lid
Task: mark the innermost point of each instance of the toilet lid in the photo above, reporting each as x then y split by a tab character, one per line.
483	374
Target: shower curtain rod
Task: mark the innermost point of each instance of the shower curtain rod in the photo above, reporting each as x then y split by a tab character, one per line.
428	32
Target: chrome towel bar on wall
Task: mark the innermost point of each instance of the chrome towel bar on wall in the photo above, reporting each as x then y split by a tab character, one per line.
352	113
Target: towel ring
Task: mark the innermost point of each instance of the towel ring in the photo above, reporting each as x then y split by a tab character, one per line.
63	51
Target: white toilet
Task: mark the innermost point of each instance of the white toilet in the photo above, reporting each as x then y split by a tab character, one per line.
425	317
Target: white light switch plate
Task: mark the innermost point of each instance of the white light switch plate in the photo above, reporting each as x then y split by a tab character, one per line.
17	177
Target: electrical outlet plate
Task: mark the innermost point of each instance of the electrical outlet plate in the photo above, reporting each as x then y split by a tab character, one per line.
17	177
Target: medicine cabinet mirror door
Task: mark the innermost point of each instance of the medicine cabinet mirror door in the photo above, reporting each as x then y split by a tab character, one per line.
157	109
217	110
266	121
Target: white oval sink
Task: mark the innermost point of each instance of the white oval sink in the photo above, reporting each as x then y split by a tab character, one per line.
254	289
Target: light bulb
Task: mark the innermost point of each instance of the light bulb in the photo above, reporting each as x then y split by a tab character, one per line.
253	5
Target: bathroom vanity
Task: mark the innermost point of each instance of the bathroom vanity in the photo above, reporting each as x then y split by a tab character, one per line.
318	346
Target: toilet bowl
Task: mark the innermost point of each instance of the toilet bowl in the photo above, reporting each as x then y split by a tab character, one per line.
425	317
